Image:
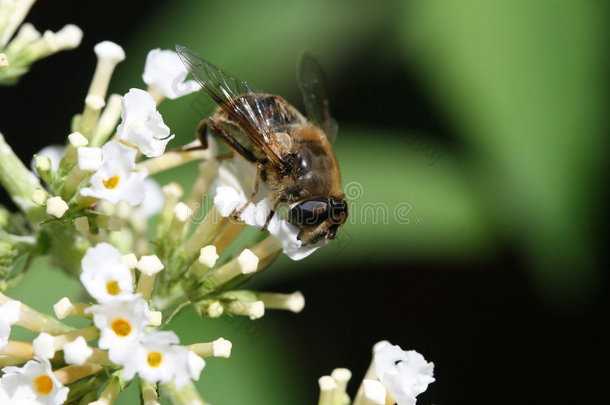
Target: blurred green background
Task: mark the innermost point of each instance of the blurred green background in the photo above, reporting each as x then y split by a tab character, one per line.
475	131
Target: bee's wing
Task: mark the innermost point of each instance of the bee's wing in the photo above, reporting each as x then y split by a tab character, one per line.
315	95
231	95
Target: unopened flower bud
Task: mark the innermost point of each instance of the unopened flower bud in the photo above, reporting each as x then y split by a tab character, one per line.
130	260
44	346
248	261
292	302
208	256
82	224
39	197
150	265
68	37
56	207
77	139
374	392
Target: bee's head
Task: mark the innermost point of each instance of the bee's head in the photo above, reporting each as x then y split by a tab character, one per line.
318	218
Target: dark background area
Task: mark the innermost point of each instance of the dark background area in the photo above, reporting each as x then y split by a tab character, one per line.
491	335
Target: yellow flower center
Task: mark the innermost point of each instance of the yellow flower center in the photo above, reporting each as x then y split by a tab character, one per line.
43	384
113	287
154	359
121	327
112	182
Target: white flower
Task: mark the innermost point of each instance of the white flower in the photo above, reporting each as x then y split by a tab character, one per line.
153	202
236	181
142	125
121	323
89	158
77	352
54	152
288	234
105	275
4	398
164	72
228	199
405	374
9	315
156	358
33	383
115	180
196	364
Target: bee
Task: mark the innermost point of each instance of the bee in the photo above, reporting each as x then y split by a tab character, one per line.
293	155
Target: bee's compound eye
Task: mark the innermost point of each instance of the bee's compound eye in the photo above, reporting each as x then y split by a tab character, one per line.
309	213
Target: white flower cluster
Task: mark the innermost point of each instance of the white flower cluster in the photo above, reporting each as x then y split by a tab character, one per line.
394	377
123	319
96	194
34	383
22	44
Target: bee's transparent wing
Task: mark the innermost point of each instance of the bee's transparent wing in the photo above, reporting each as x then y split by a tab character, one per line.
233	96
315	95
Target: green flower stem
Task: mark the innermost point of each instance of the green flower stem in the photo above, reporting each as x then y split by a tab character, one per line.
146	284
37	321
12	248
69	374
185	395
17	349
74	179
5	217
208	171
11	361
42	164
204	234
18	181
85	388
229	275
107	122
169	160
149	392
66	247
114	388
88	333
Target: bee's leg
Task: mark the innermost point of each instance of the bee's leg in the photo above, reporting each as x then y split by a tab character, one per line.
257	177
264	228
200	135
224	136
